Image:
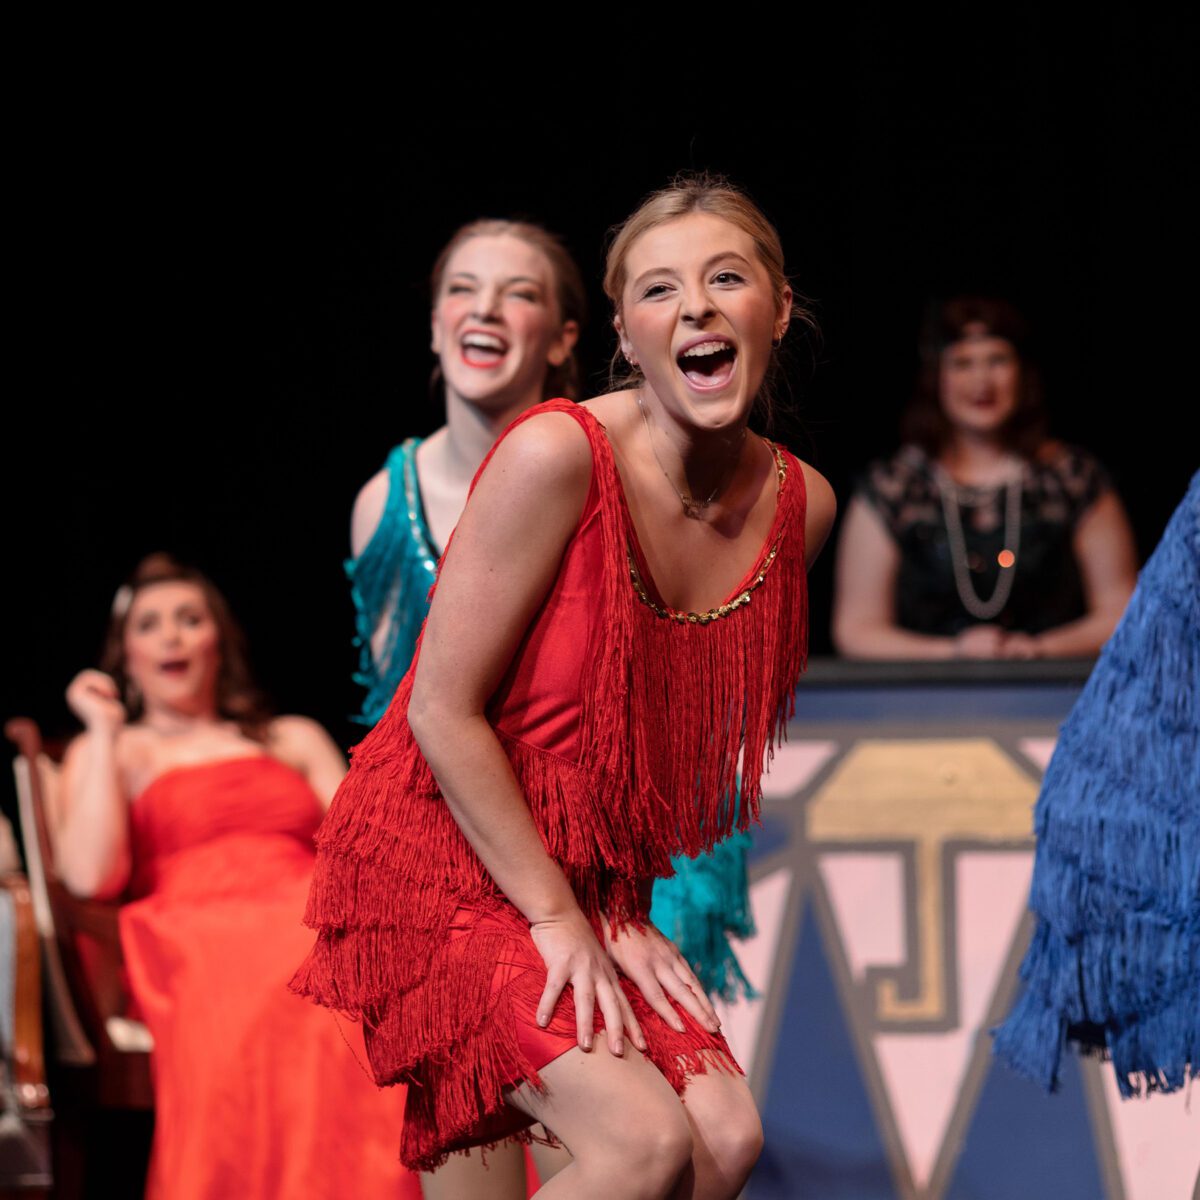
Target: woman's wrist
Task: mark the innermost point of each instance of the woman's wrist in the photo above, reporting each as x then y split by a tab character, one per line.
102	734
558	910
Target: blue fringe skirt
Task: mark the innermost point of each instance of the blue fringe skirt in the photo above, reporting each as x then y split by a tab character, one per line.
1114	965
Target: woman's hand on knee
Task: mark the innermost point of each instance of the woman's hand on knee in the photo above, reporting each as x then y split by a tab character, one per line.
572	955
655	965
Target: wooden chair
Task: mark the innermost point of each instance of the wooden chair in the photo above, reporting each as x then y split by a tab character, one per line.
25	1116
100	1058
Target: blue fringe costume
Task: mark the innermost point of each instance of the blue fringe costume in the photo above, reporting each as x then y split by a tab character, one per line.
705	903
1115	960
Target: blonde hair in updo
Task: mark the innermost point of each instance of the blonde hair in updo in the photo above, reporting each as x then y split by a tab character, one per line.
689	193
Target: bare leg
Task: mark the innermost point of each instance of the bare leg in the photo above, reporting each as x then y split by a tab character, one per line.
464	1177
726	1137
625	1128
550	1160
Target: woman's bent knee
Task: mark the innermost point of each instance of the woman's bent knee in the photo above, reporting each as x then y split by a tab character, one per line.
658	1154
643	1164
736	1143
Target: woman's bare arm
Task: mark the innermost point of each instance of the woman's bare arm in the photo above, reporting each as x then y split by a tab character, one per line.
368	511
503	560
1104	548
303	743
90	831
819	513
864	607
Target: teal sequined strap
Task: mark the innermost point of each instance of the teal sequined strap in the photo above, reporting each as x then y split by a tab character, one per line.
389	583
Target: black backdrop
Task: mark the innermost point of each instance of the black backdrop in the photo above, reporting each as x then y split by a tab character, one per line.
229	324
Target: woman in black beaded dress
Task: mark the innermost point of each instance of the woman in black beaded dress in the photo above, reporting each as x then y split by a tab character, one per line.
981	537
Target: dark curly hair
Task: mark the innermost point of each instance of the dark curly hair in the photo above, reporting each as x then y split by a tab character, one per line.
946	322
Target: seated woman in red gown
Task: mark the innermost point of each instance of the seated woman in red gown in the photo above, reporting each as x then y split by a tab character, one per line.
186	796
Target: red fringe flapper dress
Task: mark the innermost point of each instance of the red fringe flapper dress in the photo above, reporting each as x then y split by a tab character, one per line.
624	722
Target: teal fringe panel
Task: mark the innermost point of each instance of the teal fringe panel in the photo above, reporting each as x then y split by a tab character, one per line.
703	905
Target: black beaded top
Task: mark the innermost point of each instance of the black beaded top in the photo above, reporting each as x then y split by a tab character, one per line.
1056	490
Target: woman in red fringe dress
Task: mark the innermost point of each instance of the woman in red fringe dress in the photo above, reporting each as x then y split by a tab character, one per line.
621	614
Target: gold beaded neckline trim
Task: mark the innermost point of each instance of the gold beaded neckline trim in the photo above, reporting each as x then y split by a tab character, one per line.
734	602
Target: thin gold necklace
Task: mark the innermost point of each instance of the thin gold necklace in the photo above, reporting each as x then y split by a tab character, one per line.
691	506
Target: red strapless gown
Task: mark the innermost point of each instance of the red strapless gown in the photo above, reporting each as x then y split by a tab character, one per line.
257	1094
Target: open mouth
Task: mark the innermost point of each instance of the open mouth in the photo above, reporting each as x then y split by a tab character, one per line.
483	349
174	666
708	364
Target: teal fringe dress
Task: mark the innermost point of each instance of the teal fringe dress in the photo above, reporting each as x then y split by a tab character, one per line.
1114	965
705	903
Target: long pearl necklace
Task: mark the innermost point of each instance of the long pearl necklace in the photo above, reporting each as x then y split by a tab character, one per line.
983	610
691	506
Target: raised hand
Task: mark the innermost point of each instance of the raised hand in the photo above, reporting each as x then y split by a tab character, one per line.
94	698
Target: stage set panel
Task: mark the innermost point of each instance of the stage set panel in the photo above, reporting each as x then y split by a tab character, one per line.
889	886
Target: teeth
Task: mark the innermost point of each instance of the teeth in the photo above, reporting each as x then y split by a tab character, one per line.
705	349
484	341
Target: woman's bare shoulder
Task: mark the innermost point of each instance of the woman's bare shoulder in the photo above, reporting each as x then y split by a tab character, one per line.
291	727
817	488
546	450
611	405
294	738
820	509
368	510
305	745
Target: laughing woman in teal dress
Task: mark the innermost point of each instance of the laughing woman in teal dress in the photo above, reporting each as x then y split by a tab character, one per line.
508	302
